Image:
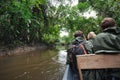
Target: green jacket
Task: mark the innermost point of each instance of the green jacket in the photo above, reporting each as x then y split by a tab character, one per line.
78	40
108	40
87	44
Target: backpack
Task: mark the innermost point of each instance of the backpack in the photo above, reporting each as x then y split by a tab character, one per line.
72	51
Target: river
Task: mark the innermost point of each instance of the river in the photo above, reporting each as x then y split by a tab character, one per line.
35	65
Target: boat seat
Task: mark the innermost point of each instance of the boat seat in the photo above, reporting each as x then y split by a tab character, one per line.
97	61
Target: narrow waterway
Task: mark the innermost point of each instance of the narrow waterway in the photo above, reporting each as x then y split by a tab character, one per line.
35	65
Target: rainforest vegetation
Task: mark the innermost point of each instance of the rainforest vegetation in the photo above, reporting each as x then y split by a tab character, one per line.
40	21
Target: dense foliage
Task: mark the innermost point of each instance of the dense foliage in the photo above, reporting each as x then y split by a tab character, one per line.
36	21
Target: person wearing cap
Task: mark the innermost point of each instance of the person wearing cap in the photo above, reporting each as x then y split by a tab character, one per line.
82	47
108	41
79	37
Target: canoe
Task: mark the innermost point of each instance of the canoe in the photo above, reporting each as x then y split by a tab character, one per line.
69	75
101	61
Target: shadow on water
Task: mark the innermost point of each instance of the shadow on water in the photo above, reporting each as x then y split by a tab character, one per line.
35	65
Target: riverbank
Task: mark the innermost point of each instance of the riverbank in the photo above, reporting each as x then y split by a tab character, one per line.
4	51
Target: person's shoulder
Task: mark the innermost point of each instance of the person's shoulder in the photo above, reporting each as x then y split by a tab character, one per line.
88	43
102	34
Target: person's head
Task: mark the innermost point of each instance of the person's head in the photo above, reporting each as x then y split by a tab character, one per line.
91	35
79	34
107	22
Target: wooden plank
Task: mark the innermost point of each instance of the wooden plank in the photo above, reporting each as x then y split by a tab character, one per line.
98	61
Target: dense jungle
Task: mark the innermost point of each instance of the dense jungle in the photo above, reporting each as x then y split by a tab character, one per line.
29	22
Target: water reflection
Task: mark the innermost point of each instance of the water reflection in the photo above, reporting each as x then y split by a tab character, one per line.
36	65
61	57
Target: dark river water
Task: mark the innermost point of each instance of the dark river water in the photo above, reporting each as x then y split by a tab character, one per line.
35	65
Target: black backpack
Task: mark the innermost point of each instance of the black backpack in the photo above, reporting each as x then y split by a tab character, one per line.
72	51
